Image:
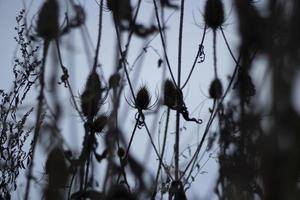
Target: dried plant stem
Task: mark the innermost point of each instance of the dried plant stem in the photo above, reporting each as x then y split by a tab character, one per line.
162	154
163	41
177	134
38	118
215	53
65	72
99	35
196	58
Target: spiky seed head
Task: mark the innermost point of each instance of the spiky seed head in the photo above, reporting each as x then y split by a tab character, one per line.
143	98
214	14
216	89
90	98
47	24
169	93
114	81
99	123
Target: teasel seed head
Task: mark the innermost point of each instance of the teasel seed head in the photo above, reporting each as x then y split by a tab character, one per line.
91	96
47	24
170	92
214	14
216	89
143	98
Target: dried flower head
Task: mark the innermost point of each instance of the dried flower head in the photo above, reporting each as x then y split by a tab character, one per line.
90	98
216	89
169	93
47	24
143	98
214	14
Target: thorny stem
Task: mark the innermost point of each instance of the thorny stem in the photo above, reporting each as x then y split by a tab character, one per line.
163	42
196	58
162	154
38	117
177	135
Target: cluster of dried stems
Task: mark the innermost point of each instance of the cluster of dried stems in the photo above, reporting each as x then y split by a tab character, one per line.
255	161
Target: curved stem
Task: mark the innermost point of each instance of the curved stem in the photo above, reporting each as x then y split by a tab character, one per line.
200	49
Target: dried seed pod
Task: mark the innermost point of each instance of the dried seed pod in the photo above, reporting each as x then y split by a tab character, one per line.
169	94
114	81
214	14
47	24
216	89
91	96
143	98
99	123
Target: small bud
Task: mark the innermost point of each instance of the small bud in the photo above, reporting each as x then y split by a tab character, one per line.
216	89
214	14
143	98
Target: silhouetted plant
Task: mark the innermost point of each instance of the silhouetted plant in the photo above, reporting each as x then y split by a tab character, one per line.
257	148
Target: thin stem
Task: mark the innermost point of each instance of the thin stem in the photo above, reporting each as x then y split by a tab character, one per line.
212	116
156	151
38	117
99	35
162	154
200	49
65	72
163	42
177	135
132	135
123	60
215	53
228	46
